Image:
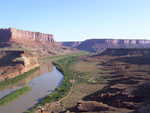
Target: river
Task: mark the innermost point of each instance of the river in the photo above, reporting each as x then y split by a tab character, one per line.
41	86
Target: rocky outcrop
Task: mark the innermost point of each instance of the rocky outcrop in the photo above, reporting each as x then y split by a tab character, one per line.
29	61
12	34
14	63
91	106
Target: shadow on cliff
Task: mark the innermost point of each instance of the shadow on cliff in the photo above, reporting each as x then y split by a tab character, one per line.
139	60
9	58
3	45
132	98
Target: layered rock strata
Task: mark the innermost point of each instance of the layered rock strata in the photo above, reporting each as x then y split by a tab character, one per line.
94	45
12	34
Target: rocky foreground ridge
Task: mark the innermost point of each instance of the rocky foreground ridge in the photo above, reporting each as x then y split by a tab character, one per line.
94	45
12	34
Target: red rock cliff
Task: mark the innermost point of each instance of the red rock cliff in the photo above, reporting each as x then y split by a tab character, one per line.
12	34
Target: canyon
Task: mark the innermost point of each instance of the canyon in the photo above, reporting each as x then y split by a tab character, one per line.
118	64
21	50
115	81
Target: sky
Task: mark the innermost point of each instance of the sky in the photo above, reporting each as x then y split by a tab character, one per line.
77	20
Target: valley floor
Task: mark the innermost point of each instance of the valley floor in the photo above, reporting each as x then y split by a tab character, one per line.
106	84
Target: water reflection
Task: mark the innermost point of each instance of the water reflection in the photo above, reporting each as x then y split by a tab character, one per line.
42	82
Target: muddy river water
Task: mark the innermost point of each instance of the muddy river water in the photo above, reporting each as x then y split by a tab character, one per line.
41	85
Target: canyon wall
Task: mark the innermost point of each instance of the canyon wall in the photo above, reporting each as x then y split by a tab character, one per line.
126	52
94	45
12	34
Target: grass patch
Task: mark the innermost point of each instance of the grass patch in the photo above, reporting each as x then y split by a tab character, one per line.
14	95
9	82
63	66
56	58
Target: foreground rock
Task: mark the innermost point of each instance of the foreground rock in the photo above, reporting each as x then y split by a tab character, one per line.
14	63
87	106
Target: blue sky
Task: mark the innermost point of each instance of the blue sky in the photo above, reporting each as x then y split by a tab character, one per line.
72	20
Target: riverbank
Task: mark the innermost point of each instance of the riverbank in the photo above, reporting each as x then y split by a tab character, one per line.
42	85
13	81
106	84
83	79
14	95
63	64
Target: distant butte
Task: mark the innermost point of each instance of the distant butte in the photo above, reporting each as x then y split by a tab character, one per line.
96	45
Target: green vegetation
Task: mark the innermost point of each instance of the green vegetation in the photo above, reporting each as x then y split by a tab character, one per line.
12	96
15	80
63	64
56	58
85	76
